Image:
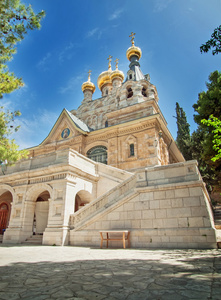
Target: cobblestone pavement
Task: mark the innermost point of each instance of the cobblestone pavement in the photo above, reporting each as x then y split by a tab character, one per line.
47	272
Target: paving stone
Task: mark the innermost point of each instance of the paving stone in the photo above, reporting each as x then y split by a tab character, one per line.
75	273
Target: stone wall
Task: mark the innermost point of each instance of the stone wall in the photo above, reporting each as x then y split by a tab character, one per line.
169	208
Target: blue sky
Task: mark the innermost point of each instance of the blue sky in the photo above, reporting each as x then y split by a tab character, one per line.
78	35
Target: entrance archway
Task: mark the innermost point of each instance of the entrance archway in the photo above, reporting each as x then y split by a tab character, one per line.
5	210
41	213
81	199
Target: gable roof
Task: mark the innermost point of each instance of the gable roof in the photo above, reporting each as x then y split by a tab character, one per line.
77	124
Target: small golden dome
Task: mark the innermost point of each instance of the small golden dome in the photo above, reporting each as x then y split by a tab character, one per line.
133	50
104	77
88	85
117	73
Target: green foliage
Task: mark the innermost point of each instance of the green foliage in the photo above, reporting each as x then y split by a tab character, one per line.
8	149
214	42
15	20
216	124
183	134
206	140
209	102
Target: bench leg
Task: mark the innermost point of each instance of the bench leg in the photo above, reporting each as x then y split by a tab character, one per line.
107	239
101	239
128	239
124	240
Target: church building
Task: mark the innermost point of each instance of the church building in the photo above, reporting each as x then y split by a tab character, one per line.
111	164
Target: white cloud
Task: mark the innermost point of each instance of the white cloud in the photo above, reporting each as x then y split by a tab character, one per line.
43	63
95	33
67	52
116	14
160	5
34	129
92	32
71	84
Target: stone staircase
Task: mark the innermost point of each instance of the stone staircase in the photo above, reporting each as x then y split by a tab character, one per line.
34	240
217	216
103	204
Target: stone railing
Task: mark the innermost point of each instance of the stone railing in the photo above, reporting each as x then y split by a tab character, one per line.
169	174
103	202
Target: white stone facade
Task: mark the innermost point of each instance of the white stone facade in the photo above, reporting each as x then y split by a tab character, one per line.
143	183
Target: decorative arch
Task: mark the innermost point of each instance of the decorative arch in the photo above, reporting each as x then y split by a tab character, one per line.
34	191
131	146
6	187
82	198
95	144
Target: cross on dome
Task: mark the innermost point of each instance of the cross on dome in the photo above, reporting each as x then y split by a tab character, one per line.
116	61
132	37
89	75
110	59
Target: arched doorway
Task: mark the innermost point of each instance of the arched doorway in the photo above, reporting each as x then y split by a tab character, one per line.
4	213
98	154
41	213
81	199
5	210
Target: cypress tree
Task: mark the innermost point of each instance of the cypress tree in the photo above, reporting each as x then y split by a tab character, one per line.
183	139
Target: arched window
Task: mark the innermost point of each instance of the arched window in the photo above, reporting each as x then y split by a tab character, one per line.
106	123
131	149
98	154
144	92
129	93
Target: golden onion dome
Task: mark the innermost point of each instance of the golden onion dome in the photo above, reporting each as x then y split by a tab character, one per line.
88	85
104	77
117	73
133	50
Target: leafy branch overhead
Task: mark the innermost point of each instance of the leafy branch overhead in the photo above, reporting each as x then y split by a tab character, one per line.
16	19
214	42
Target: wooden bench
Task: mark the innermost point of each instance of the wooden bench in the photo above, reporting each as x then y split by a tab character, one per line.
124	235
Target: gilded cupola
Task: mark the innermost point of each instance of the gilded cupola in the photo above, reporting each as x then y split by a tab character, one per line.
117	76
133	50
88	88
104	80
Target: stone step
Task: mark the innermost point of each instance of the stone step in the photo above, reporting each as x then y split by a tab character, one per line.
217	216
34	240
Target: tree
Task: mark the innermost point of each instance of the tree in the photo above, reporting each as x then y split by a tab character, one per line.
8	149
209	103
16	19
214	42
183	134
216	124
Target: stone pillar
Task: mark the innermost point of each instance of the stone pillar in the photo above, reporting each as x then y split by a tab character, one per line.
21	223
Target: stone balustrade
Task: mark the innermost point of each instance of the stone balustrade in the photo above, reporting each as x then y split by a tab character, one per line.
96	207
